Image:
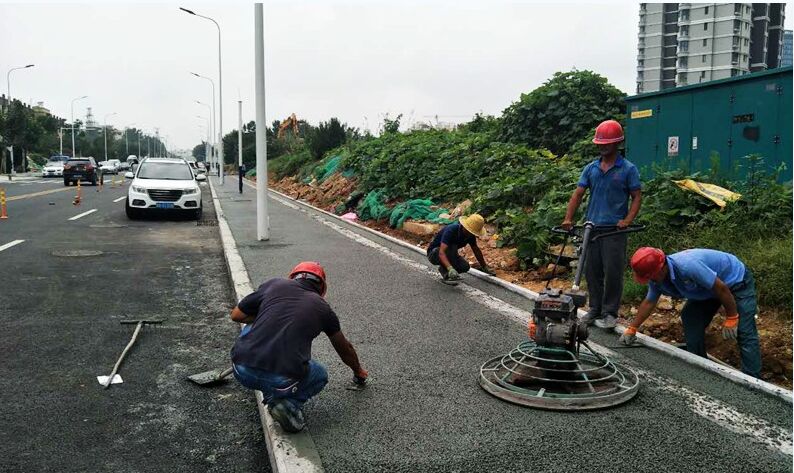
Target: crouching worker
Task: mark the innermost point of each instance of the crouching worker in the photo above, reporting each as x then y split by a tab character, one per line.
273	352
707	279
443	250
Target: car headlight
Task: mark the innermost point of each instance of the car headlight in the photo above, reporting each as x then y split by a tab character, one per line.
139	189
191	190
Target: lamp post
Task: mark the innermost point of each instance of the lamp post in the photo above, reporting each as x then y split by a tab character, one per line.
126	142
212	131
106	133
138	139
210	110
262	216
73	101
8	79
219	130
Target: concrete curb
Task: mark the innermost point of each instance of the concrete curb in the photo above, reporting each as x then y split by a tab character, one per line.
289	453
724	371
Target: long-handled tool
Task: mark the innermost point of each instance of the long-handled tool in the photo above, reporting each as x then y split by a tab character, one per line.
138	327
208	378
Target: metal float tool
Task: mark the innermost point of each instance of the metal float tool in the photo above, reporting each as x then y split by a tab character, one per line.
556	368
211	377
138	327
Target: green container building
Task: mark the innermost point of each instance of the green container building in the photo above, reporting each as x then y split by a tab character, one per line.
716	123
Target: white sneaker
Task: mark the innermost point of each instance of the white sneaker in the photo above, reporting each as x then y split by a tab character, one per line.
608	321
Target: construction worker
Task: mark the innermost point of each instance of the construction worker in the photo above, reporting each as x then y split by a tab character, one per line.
707	279
443	250
273	352
612	180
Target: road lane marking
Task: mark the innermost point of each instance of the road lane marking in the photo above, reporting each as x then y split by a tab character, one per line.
36	194
83	214
120	198
704	405
9	245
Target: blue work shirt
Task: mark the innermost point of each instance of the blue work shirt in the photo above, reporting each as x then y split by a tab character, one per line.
609	191
691	274
453	235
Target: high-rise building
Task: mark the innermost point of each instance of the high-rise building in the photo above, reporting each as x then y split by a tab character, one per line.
688	43
785	56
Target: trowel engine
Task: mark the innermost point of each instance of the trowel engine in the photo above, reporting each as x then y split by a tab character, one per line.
554	322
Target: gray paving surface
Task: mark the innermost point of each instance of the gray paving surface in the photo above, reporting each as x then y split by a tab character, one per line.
424	342
59	329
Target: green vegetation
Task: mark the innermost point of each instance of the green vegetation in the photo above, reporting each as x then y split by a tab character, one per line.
520	169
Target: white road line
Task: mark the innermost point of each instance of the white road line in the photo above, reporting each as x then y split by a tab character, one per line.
712	409
9	245
83	214
120	198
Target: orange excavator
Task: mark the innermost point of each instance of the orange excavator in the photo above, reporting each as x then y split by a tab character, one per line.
289	122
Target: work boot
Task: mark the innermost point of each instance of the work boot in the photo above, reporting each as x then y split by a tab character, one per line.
290	419
608	322
589	318
445	277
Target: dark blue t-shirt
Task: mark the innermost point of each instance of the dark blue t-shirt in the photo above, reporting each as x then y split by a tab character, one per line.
453	235
609	191
289	315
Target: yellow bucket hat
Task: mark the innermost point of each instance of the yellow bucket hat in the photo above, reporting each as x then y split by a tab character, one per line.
475	224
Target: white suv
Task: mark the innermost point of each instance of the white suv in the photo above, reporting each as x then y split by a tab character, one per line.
163	184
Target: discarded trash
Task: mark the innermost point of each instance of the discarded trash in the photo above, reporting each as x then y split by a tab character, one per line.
103	380
350	217
718	195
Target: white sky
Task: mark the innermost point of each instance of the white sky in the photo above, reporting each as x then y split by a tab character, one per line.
349	59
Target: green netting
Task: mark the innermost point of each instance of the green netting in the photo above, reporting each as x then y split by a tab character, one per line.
251	173
416	209
372	207
330	167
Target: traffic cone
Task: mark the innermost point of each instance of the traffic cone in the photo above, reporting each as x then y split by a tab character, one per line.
76	200
3	214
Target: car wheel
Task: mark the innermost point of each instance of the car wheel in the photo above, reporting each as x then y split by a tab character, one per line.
66	182
198	212
93	180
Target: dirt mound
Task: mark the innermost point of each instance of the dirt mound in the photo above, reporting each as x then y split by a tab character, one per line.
326	195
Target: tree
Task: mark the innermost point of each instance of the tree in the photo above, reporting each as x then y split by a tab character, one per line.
326	136
562	111
200	151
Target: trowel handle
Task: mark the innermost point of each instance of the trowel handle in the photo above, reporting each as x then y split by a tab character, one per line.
226	372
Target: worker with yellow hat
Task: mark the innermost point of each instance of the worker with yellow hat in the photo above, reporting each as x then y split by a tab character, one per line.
443	250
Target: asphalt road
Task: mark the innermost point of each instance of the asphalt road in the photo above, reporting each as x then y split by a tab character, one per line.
60	329
424	343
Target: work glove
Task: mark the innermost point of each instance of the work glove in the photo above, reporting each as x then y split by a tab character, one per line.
730	328
487	270
360	377
629	336
453	275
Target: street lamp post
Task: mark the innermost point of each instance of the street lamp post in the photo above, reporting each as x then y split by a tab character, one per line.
262	217
212	131
106	133
8	85
219	130
138	139
8	79
210	110
126	141
73	101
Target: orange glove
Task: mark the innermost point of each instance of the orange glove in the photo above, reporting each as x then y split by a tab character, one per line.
629	336
730	328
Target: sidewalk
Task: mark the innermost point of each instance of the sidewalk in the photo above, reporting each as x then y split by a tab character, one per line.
424	342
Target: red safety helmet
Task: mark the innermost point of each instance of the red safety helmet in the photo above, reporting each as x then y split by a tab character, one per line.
310	267
646	263
607	132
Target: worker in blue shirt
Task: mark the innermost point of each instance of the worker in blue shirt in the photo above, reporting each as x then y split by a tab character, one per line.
612	180
443	250
707	279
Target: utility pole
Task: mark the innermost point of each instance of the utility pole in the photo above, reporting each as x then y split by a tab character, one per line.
262	217
240	143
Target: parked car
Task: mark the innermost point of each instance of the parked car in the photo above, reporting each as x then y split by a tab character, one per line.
196	169
163	184
84	169
111	166
52	169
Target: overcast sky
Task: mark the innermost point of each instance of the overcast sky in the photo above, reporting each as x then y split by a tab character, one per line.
356	60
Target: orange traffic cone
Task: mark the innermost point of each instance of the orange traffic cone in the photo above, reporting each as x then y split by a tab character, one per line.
3	214
76	200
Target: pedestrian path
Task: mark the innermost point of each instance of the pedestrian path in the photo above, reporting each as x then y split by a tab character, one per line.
424	342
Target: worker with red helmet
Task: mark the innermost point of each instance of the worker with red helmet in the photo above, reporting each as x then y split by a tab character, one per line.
273	352
707	279
612	181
